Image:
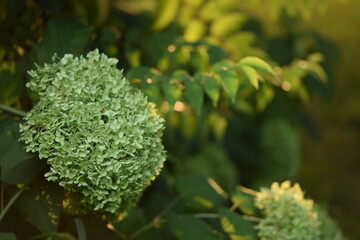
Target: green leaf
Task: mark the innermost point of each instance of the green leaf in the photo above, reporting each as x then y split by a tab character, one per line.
80	228
211	86
258	63
172	91
7	236
17	166
244	201
198	193
194	30
133	220
41	205
166	12
229	79
194	91
236	226
187	227
264	97
63	35
250	74
147	81
227	23
11	87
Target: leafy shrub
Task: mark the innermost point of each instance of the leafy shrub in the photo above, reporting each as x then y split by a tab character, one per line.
280	152
211	161
199	63
100	137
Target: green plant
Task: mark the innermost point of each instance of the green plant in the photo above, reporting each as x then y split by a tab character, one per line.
93	134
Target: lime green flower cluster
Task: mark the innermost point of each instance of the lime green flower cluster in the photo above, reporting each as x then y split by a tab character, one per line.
287	214
100	137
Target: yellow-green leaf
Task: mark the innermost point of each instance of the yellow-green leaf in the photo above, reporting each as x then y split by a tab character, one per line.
236	226
250	74
258	63
227	23
195	93
166	12
228	78
211	86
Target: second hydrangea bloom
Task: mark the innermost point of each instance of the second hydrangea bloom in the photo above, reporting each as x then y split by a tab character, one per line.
288	215
100	137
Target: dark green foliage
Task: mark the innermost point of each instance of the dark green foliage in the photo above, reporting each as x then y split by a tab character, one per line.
211	161
198	194
280	152
187	227
225	97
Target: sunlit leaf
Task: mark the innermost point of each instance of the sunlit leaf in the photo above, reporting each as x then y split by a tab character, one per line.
244	201
250	74
194	31
264	97
227	23
229	79
166	12
257	63
211	86
236	226
194	92
218	124
198	193
172	91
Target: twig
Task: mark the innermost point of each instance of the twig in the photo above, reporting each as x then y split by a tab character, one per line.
13	110
11	202
2	196
156	220
251	218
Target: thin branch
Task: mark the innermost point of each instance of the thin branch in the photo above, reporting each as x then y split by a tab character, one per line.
248	191
2	196
168	207
13	110
146	227
251	218
11	202
156	220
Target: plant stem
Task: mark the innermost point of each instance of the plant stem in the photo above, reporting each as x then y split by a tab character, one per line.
2	196
13	110
156	220
168	207
251	218
11	202
146	227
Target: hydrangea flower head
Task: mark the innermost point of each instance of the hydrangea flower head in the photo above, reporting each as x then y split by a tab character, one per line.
100	137
287	214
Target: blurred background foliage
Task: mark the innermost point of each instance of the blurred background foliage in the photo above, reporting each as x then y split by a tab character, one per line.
245	122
